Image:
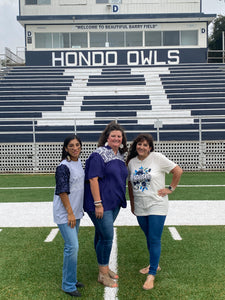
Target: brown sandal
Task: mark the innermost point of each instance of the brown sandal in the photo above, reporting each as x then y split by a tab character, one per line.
146	270
112	274
106	280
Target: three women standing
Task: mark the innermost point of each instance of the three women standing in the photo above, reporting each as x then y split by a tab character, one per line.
105	190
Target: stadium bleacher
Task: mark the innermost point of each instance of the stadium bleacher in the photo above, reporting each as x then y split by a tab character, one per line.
47	100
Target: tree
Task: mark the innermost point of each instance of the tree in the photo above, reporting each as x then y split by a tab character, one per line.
215	40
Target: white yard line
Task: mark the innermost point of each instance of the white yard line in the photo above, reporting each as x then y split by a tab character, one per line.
111	293
39	214
52	187
175	234
200	185
27	187
52	235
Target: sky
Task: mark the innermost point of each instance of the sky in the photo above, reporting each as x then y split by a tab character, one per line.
12	33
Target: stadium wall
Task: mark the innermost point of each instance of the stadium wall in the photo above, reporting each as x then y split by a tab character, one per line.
44	157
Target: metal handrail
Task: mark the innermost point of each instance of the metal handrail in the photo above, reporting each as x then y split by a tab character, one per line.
222	57
157	122
9	58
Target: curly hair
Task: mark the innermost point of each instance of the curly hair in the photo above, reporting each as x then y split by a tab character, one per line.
140	138
106	132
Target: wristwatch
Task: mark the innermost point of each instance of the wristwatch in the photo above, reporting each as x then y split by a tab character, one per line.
171	188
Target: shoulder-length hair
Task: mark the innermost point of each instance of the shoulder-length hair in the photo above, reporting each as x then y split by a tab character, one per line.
140	138
66	142
106	132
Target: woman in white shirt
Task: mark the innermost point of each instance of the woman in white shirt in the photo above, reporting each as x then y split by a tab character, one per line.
149	196
68	209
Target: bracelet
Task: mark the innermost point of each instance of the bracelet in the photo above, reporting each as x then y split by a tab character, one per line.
96	202
97	205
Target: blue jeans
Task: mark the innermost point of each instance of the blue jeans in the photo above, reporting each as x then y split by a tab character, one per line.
153	227
71	246
104	234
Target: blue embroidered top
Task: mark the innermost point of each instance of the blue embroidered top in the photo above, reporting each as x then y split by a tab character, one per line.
112	173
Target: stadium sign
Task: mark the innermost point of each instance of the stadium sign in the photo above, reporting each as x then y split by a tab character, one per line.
111	27
111	58
101	58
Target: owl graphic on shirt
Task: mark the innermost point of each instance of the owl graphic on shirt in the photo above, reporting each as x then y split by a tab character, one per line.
142	179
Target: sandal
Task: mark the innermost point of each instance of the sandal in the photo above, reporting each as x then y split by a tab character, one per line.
106	280
112	274
149	283
146	270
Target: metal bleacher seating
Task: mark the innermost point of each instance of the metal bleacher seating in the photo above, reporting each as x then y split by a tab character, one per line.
201	89
25	93
53	101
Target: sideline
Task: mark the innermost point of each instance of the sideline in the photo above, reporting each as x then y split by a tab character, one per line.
52	187
111	293
181	213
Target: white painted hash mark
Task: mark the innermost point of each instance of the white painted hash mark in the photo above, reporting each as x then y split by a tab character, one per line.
52	235
175	234
111	293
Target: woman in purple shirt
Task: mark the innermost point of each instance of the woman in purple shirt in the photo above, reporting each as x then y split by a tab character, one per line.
105	189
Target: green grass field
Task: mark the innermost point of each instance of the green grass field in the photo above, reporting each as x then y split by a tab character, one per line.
192	268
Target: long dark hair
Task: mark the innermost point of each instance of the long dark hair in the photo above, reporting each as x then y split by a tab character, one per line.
140	138
69	138
106	132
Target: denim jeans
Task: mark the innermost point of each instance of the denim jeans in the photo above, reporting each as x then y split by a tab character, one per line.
71	246
153	227
104	234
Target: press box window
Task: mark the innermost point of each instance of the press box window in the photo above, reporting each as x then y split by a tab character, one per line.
43	40
153	38
116	39
64	40
56	40
79	40
61	40
108	1
189	37
133	39
37	2
171	38
97	39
